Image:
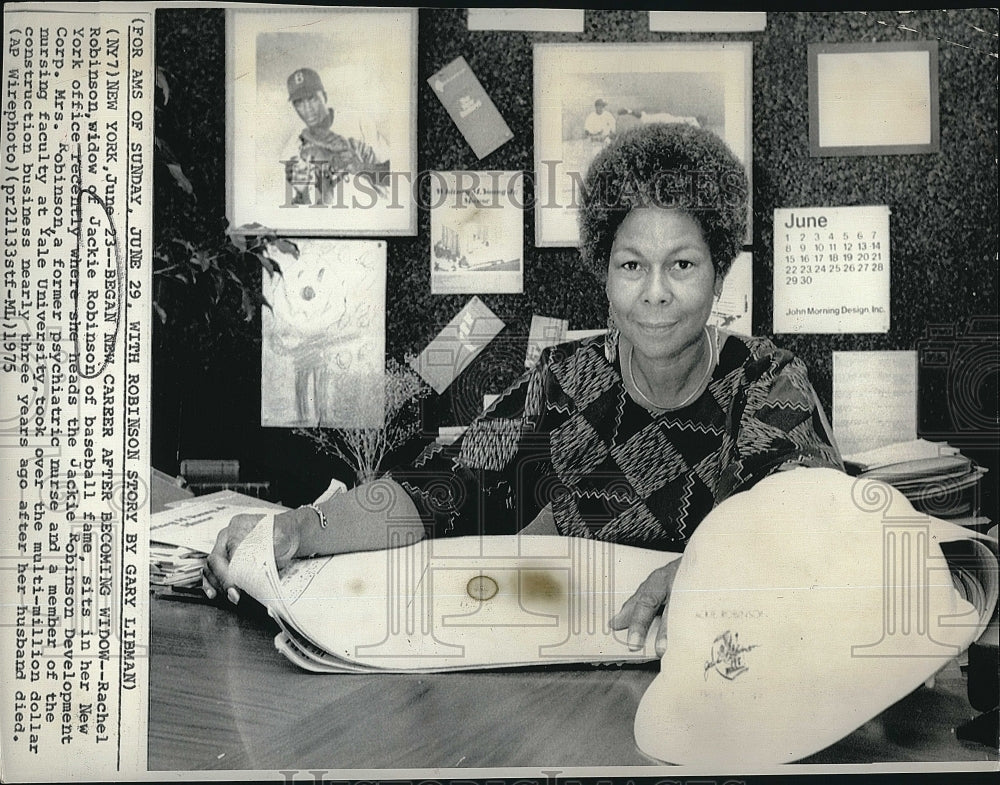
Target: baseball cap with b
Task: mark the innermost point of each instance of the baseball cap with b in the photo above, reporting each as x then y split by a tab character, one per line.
302	83
803	608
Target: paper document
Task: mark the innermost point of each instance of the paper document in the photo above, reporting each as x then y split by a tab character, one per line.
456	603
874	399
195	525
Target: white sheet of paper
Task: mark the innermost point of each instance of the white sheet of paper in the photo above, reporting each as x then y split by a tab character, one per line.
733	311
831	269
545	331
457	345
874	98
196	526
910	450
579	335
706	21
547	20
874	399
460	602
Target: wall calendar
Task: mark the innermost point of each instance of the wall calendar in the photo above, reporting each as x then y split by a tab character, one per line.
831	270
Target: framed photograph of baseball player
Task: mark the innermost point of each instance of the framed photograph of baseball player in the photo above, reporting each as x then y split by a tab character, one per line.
587	95
322	120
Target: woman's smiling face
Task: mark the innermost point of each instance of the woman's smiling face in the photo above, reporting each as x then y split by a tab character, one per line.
661	281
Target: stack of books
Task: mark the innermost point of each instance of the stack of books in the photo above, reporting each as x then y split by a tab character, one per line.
934	476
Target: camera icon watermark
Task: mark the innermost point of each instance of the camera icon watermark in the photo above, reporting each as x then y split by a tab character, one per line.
958	373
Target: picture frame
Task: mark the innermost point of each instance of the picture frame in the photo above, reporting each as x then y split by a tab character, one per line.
873	98
323	336
477	232
709	85
341	166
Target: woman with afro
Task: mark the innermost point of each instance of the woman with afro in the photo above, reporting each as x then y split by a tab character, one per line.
631	437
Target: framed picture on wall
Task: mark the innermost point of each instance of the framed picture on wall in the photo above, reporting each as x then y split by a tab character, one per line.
873	98
323	338
587	94
321	120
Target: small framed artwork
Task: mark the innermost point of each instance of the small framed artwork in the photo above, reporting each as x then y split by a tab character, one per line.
321	120
873	98
585	95
323	338
477	233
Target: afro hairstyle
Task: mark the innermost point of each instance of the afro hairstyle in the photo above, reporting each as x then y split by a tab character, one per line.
669	165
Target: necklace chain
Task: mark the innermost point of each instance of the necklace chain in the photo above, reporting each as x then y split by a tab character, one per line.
708	370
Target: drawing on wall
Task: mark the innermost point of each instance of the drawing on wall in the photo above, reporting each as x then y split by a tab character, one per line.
321	131
323	347
477	233
586	95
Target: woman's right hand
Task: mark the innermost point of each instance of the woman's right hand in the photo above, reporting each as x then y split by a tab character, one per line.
648	601
216	579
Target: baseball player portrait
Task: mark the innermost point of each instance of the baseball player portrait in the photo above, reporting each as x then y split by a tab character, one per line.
600	124
328	152
321	121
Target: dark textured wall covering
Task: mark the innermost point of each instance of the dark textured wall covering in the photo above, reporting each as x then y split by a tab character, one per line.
943	225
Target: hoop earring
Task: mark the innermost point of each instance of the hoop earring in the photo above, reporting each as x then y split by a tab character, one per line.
611	338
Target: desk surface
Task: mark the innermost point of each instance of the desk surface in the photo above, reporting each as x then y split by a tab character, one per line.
221	697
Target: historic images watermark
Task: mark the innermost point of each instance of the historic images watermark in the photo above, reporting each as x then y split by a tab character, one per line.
323	185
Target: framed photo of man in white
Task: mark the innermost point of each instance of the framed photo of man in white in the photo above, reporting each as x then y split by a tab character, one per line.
586	95
321	120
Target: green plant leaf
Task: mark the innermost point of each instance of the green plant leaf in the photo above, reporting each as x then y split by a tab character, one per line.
202	260
287	246
161	82
181	178
239	240
265	262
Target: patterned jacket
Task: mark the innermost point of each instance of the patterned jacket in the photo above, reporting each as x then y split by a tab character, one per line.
568	434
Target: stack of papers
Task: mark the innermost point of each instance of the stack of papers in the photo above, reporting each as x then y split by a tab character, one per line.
182	536
932	475
467	603
458	603
174	566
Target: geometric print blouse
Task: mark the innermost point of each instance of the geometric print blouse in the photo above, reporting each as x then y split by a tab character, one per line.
568	434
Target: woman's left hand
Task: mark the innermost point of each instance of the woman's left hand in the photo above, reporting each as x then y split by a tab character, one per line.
639	610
